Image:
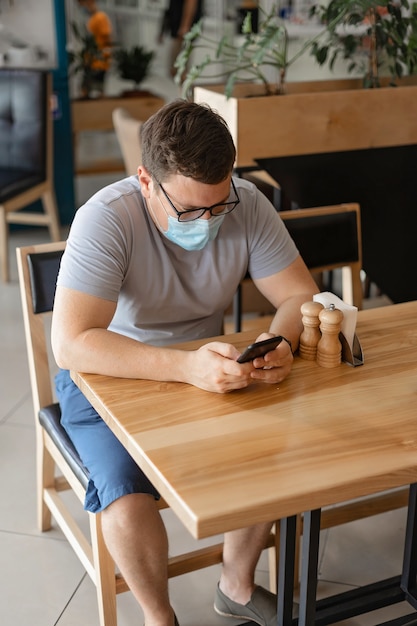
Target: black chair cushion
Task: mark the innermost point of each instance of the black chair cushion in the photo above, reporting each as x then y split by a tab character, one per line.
325	239
43	270
50	419
15	182
22	120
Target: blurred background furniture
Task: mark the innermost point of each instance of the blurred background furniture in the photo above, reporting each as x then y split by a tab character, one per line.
96	115
26	159
366	176
59	468
127	130
329	238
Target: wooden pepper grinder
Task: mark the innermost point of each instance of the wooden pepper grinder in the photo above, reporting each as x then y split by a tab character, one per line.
329	348
311	335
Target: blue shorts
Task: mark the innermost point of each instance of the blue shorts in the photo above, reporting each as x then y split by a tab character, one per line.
113	472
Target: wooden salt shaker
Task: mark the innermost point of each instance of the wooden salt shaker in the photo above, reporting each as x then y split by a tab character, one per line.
329	348
311	335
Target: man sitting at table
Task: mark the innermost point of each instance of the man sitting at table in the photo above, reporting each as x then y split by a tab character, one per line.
152	260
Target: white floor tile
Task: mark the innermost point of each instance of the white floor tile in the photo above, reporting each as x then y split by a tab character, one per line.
37	579
364	551
17	479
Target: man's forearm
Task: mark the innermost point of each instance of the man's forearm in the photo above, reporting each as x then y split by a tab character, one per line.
100	351
288	319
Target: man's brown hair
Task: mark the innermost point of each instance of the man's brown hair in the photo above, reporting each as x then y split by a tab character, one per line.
188	139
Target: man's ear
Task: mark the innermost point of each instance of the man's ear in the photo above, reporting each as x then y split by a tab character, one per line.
145	181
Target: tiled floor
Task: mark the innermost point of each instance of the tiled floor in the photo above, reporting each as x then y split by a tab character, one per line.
42	582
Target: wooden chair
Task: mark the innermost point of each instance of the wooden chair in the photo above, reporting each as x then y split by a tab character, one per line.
327	238
127	130
26	154
59	467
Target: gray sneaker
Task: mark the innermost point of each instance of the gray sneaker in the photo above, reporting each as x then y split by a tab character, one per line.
261	608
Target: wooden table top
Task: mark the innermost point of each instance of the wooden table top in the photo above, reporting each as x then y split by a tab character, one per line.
321	437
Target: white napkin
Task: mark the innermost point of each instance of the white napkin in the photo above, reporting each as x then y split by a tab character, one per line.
350	313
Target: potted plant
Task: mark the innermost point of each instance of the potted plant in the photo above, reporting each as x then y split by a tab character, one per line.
245	60
363	32
371	34
133	64
313	116
82	55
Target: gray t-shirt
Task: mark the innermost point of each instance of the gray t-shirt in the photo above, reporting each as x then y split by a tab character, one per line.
164	293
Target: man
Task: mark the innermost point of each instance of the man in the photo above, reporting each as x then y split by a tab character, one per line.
178	20
99	26
152	260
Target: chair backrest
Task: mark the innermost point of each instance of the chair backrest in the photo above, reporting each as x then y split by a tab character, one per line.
38	267
329	238
23	115
127	130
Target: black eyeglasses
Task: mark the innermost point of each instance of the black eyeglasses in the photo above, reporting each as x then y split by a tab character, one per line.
189	215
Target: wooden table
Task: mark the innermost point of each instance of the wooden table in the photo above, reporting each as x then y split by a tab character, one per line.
96	115
321	437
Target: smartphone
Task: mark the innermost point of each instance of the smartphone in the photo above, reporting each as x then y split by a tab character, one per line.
260	348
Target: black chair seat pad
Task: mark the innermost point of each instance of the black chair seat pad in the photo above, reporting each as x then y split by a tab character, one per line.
16	181
50	419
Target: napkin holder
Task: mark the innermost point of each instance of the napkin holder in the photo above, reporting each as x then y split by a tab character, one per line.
351	355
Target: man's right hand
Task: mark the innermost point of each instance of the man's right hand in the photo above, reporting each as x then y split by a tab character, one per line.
214	368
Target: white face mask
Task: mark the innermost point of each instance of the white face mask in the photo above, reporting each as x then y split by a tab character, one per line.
193	235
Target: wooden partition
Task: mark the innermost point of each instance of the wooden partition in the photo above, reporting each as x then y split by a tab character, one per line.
96	115
315	117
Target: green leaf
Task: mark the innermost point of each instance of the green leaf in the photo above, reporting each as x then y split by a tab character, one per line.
321	55
230	84
247	24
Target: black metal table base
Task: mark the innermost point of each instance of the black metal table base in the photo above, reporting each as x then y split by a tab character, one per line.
350	603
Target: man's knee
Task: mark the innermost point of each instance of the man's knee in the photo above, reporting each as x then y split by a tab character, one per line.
131	505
